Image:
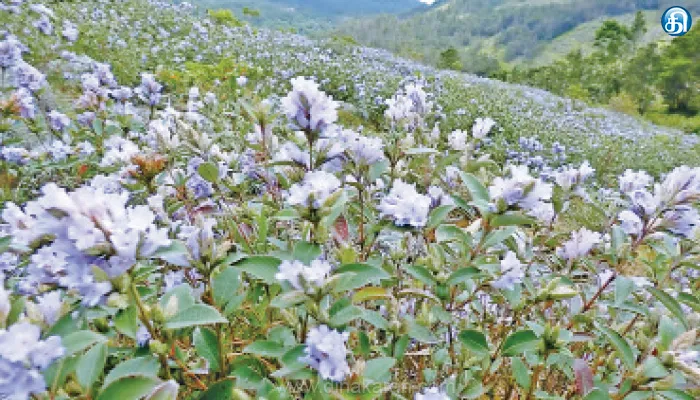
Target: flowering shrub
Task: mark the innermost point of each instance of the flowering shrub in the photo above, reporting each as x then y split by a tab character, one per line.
248	240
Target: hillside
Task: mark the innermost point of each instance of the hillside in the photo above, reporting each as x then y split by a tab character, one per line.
582	38
312	15
510	31
193	208
363	76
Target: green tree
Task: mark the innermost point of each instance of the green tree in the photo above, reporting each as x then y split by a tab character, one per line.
251	12
679	77
612	38
450	59
638	27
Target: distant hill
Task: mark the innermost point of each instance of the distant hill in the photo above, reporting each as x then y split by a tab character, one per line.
486	32
311	15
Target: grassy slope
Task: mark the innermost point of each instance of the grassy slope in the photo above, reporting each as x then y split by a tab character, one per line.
404	35
582	37
363	77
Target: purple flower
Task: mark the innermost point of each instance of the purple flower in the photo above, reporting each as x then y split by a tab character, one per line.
308	108
149	91
58	121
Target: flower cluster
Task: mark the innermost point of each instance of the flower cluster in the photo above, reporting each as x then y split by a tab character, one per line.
670	206
23	355
409	106
405	205
524	191
149	91
326	353
313	190
308	108
304	277
85	228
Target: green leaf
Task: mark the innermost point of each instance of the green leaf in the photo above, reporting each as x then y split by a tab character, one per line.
225	281
379	369
670	303
289	299
265	348
345	315
620	344
401	346
261	267
623	288
520	342
64	326
375	318
639	395
654	369
165	391
129	388
421	273
475	341
293	356
689	300
462	275
91	365
597	394
126	321
511	219
445	233
175	254
207	345
142	366
364	274
421	333
370	293
97	126
197	314
439	215
474	389
209	172
16	310
222	390
180	297
306	252
675	394
520	372
496	237
287	214
477	190
81	340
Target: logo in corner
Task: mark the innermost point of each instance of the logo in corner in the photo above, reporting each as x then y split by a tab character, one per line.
676	21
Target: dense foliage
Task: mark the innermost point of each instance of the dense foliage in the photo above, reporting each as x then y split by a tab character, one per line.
657	82
485	32
195	209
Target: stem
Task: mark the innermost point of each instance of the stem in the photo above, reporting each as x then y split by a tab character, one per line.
198	382
222	357
309	138
630	325
304	327
593	299
362	222
534	381
147	323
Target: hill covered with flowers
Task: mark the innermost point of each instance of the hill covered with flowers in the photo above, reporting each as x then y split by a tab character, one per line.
197	209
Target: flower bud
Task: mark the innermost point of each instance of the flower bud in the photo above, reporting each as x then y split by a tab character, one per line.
158	347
